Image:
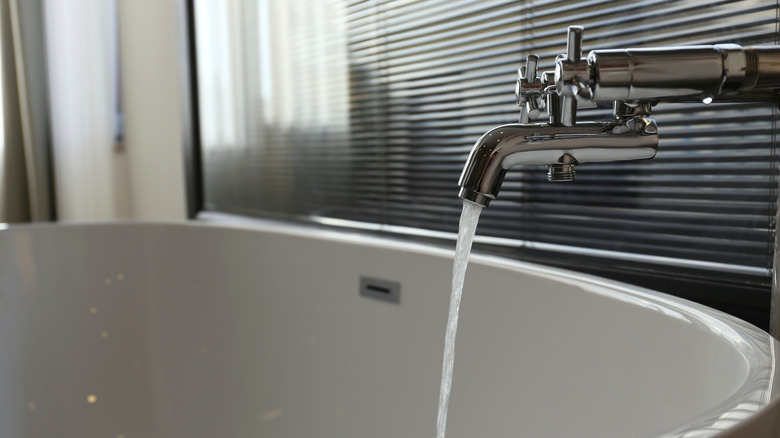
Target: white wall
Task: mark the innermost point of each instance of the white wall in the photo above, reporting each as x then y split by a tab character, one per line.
94	180
152	70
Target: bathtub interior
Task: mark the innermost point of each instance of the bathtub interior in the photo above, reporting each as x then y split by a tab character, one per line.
164	330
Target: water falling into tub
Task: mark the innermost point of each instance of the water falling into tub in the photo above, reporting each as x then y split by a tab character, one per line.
468	227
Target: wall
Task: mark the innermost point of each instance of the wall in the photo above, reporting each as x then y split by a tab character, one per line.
152	70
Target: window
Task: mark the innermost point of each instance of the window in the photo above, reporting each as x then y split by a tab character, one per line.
361	114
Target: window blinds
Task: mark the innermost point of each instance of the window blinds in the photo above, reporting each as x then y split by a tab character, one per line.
362	113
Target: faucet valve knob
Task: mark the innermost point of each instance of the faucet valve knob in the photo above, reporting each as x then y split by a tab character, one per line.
531	66
581	90
574	44
532	108
572	73
529	89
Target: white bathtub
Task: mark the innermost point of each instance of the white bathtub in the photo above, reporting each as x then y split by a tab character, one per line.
199	331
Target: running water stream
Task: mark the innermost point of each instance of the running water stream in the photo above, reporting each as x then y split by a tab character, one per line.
468	227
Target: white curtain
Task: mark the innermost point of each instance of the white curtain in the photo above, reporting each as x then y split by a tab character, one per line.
81	38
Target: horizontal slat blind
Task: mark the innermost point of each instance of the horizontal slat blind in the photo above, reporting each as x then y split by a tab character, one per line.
364	112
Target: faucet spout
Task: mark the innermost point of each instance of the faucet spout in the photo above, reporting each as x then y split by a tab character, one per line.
507	146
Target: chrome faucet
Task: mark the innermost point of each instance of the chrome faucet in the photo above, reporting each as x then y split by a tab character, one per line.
632	81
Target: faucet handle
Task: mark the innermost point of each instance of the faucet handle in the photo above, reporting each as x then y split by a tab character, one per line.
531	67
572	73
581	90
574	44
574	56
529	89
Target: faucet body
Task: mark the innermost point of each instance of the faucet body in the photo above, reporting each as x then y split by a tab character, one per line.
632	80
506	146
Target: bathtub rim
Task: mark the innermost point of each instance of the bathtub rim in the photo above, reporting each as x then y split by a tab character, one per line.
765	399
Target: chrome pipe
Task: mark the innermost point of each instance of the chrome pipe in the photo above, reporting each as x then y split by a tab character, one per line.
677	74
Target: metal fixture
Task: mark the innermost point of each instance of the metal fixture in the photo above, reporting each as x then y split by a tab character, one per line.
562	143
503	147
632	81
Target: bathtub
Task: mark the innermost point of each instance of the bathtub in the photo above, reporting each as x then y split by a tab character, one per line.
195	330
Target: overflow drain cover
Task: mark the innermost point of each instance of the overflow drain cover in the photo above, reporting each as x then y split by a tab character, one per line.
384	290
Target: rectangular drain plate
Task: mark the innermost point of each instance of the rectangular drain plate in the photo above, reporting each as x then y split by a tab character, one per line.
384	290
